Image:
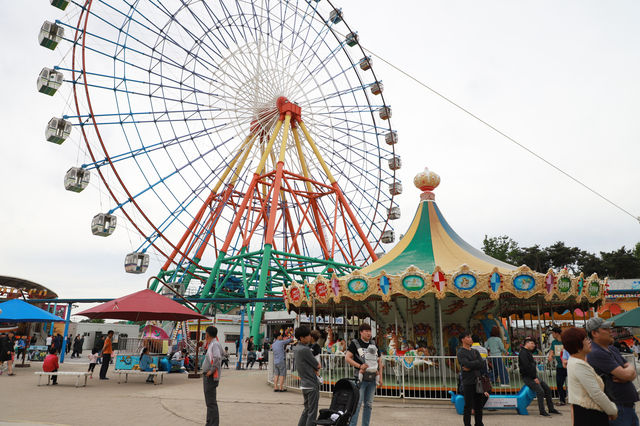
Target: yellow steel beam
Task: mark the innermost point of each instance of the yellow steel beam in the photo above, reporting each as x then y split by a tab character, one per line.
265	154
316	151
285	137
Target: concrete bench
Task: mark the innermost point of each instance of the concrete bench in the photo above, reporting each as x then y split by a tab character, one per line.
77	374
155	375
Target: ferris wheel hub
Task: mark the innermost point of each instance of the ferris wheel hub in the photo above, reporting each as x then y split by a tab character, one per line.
285	106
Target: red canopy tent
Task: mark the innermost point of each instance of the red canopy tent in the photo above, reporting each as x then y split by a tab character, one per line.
144	305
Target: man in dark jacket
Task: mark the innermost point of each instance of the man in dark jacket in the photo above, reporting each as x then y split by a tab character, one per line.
528	372
472	364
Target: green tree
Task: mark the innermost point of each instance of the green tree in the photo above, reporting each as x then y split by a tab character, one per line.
621	263
94	320
560	256
501	248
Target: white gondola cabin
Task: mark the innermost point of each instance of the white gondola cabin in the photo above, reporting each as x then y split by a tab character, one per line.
49	81
60	4
58	130
394	213
385	112
136	263
365	63
103	224
395	188
379	254
50	35
377	88
76	179
388	237
352	39
395	162
335	16
391	138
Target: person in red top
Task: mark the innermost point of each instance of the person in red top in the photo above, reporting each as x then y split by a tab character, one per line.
107	350
50	364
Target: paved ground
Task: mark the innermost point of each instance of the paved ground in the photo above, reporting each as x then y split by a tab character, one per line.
244	399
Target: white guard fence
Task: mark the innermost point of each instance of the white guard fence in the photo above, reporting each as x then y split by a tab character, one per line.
426	377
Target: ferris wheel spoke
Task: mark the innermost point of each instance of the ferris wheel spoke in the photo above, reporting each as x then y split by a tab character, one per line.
190	137
158	32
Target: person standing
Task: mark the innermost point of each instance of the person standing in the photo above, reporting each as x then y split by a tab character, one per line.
495	346
279	364
49	342
211	375
472	364
618	374
107	351
590	404
51	365
561	365
307	367
69	342
355	357
6	351
528	372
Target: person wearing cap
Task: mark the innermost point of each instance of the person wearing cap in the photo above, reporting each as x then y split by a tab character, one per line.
528	372
561	365
618	375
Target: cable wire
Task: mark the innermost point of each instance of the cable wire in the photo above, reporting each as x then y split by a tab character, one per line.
466	111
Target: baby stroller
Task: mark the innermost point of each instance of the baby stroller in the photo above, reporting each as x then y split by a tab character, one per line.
343	404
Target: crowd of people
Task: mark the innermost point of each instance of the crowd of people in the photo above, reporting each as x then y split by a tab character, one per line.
599	381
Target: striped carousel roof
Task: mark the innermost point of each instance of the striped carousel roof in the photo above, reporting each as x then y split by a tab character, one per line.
430	241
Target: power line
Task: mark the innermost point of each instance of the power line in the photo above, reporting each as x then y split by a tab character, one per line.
466	111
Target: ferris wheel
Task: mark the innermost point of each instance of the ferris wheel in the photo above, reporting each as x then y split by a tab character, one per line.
180	105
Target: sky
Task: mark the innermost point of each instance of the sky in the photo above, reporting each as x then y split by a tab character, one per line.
558	77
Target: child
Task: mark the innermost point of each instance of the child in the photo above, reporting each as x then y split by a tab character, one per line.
145	364
51	365
307	367
316	350
225	357
93	359
260	355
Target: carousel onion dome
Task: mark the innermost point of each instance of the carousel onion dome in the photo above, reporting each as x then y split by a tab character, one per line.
426	180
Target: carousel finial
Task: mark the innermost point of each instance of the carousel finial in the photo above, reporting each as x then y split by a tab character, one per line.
426	181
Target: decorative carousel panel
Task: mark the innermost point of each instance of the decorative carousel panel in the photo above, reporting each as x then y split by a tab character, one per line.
580	284
439	280
321	289
357	285
465	283
549	284
412	283
564	285
335	288
384	284
296	294
524	282
594	288
495	282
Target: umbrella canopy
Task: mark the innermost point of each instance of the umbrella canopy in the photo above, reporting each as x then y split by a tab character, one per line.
17	310
144	305
627	319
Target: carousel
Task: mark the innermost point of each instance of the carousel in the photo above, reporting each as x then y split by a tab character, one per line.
433	284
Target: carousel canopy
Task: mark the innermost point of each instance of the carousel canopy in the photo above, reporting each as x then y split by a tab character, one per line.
430	242
431	259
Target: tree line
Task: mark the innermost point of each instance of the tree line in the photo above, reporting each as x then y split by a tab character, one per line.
616	264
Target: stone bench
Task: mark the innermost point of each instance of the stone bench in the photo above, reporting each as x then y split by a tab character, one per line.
155	375
77	374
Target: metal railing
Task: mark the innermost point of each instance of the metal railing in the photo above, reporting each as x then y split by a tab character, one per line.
422	377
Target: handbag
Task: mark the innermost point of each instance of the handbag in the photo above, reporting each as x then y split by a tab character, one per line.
483	384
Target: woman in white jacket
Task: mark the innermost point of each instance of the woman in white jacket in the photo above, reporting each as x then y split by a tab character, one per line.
590	404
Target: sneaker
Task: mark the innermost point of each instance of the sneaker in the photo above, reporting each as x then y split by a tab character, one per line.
554	411
104	378
545	414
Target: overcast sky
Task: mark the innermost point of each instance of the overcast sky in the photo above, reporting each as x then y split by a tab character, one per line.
559	77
